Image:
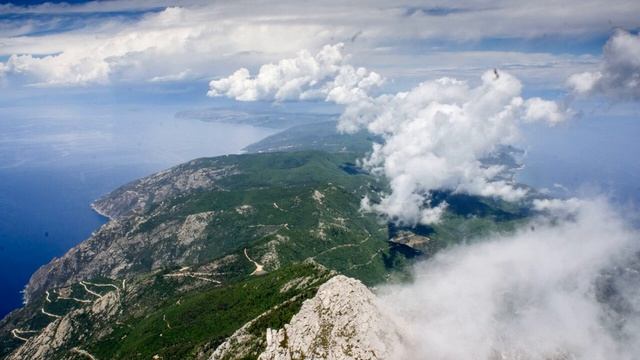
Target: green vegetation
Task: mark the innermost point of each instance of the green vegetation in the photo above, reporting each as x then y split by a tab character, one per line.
185	323
283	208
281	215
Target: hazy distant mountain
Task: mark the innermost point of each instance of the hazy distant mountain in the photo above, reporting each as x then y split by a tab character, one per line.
276	120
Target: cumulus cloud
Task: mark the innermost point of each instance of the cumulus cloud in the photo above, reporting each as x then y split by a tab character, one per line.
537	109
619	73
556	290
436	135
324	76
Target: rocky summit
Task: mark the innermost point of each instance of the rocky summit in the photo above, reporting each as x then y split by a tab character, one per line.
341	322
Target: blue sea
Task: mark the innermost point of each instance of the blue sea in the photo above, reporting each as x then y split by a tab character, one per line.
53	165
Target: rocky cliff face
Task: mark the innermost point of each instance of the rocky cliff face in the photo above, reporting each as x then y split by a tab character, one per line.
113	251
208	208
341	322
138	196
63	331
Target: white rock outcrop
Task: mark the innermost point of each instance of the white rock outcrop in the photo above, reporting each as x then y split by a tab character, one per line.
341	322
193	227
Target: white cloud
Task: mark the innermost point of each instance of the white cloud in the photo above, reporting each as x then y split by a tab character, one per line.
433	215
325	76
63	69
582	83
94	60
157	46
619	73
537	109
210	38
172	77
555	290
558	207
436	135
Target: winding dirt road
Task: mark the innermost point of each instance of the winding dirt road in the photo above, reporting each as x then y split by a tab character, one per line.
259	268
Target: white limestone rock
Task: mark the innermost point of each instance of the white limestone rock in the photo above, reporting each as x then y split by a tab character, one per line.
341	322
194	226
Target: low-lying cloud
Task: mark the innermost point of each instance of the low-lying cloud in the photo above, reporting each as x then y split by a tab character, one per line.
566	288
435	135
619	75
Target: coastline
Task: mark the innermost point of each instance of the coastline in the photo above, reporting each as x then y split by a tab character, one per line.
100	212
47	207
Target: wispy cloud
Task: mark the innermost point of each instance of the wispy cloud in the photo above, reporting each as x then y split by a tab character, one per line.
556	289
